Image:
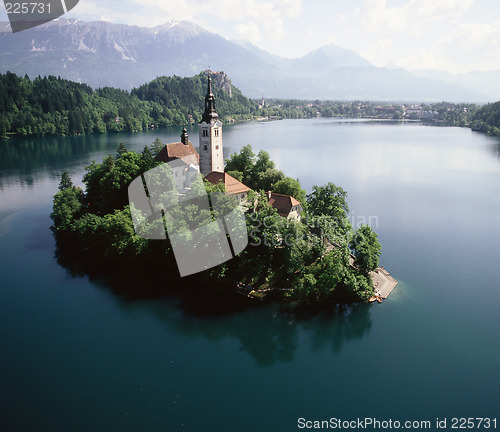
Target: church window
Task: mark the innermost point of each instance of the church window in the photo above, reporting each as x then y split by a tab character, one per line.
205	147
216	147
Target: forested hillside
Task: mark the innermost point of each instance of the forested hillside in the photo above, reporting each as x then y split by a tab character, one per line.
487	119
187	95
55	106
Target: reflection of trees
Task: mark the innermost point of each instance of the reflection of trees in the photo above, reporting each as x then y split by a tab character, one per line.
26	158
195	308
347	323
269	333
30	153
497	148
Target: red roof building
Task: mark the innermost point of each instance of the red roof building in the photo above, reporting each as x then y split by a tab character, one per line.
286	205
233	186
183	150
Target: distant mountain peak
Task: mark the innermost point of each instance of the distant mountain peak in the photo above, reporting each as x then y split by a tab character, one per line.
393	66
102	54
337	56
185	27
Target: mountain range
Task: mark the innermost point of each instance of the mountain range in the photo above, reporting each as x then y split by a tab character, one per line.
117	55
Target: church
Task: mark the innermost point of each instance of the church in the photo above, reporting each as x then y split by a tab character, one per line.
186	162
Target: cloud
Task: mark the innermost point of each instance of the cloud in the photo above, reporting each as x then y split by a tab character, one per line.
380	53
249	32
409	16
250	19
255	18
468	46
424	58
476	44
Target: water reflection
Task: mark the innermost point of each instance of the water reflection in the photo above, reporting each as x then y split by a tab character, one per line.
26	159
496	148
267	332
32	153
270	333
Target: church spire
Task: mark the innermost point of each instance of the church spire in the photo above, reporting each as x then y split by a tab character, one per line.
210	112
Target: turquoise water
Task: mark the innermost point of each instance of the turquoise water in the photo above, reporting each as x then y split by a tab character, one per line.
78	355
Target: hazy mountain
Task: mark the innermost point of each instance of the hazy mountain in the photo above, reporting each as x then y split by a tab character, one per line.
327	58
486	83
105	54
392	66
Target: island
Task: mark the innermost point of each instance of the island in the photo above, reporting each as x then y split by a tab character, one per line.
301	247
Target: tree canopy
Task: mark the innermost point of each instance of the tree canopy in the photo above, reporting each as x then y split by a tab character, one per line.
311	256
55	106
366	248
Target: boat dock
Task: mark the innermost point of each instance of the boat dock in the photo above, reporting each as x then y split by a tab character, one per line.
383	282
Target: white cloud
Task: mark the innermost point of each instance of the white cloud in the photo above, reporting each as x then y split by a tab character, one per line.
249	32
424	58
380	53
472	44
256	18
409	16
456	35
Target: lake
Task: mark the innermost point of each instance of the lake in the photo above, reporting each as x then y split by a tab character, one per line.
78	355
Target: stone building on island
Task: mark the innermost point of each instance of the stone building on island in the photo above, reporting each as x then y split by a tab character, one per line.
210	132
183	159
187	162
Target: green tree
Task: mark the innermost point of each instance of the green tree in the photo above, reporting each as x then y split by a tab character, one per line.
262	164
366	248
68	206
266	180
290	186
121	150
238	175
157	146
243	161
329	200
65	182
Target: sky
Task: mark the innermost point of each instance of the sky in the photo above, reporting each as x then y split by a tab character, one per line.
453	35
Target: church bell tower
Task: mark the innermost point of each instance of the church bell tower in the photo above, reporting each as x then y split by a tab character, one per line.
210	129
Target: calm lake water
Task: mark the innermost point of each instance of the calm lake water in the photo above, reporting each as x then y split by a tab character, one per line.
79	356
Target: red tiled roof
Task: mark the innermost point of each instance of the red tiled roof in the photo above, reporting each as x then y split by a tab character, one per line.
232	185
178	150
282	203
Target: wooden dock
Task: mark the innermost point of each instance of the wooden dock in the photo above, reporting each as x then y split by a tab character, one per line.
383	282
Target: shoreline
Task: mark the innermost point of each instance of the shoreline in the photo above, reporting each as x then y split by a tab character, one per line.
383	285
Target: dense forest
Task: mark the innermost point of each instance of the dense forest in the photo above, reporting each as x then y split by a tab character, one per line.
54	106
487	119
57	107
187	95
313	256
